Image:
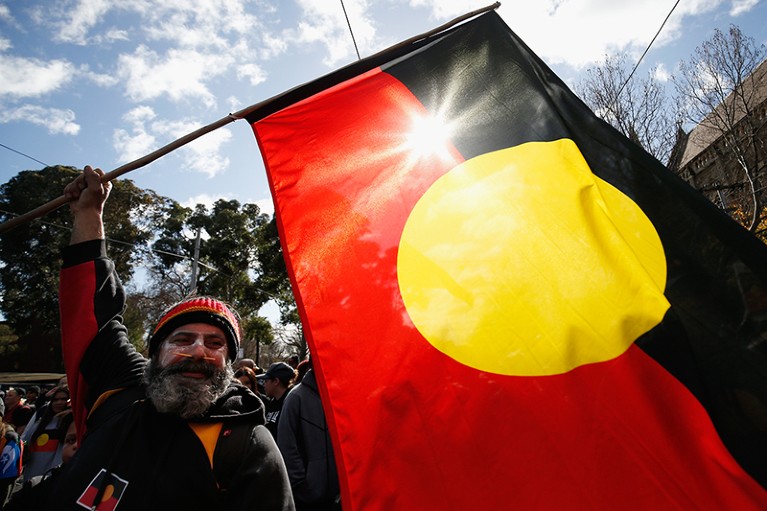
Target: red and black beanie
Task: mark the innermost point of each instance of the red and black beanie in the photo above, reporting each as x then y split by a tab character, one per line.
200	309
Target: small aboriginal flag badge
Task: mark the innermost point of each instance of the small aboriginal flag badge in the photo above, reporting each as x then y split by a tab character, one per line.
114	489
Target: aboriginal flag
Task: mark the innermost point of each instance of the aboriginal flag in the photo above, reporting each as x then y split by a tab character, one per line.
508	303
109	497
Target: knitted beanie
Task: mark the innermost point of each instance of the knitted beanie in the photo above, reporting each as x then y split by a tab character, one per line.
200	309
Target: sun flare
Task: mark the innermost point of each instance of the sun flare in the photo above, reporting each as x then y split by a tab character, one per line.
429	136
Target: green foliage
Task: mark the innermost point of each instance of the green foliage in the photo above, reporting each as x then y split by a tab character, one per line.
256	333
9	349
230	253
274	276
240	262
30	254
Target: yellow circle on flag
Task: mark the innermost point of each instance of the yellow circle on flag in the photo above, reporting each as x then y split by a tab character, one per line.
42	439
523	262
109	492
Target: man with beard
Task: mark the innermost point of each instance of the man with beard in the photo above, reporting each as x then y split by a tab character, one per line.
171	432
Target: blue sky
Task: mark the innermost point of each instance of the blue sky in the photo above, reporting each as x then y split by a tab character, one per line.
103	82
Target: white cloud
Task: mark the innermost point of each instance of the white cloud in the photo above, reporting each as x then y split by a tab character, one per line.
180	74
79	19
579	32
741	6
132	145
442	9
100	79
265	205
181	47
5	44
324	22
139	116
5	14
147	132
661	73
603	26
204	155
253	72
114	34
272	46
137	142
234	103
199	24
205	199
21	77
56	120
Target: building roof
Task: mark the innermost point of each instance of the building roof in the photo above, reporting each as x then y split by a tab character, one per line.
706	133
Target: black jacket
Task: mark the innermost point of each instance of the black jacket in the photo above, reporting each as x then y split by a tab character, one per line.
304	441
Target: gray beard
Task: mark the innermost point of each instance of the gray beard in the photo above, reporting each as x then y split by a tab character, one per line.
172	393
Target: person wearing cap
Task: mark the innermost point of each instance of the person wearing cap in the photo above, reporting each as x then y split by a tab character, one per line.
172	432
304	440
276	381
33	393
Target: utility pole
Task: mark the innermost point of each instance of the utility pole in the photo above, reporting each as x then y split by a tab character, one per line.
193	281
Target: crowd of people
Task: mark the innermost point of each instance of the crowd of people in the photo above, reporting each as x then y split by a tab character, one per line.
35	429
40	435
190	427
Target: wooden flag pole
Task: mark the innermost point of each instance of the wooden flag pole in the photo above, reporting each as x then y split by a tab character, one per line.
119	171
149	158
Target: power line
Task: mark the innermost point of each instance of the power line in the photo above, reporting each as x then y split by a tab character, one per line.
148	247
126	243
25	155
646	50
350	30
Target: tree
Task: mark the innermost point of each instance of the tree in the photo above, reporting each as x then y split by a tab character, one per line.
640	109
227	259
30	254
238	261
274	275
290	342
257	333
9	349
721	90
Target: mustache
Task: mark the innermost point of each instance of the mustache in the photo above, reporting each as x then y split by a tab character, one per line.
191	366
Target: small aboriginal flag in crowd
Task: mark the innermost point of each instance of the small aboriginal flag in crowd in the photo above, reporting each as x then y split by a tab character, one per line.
113	489
509	304
44	443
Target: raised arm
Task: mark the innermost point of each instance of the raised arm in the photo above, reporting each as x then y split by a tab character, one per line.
98	356
87	195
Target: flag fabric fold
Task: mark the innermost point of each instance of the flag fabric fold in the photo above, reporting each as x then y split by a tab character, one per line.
507	302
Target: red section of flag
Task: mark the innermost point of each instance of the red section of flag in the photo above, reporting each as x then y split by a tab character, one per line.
413	428
87	499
